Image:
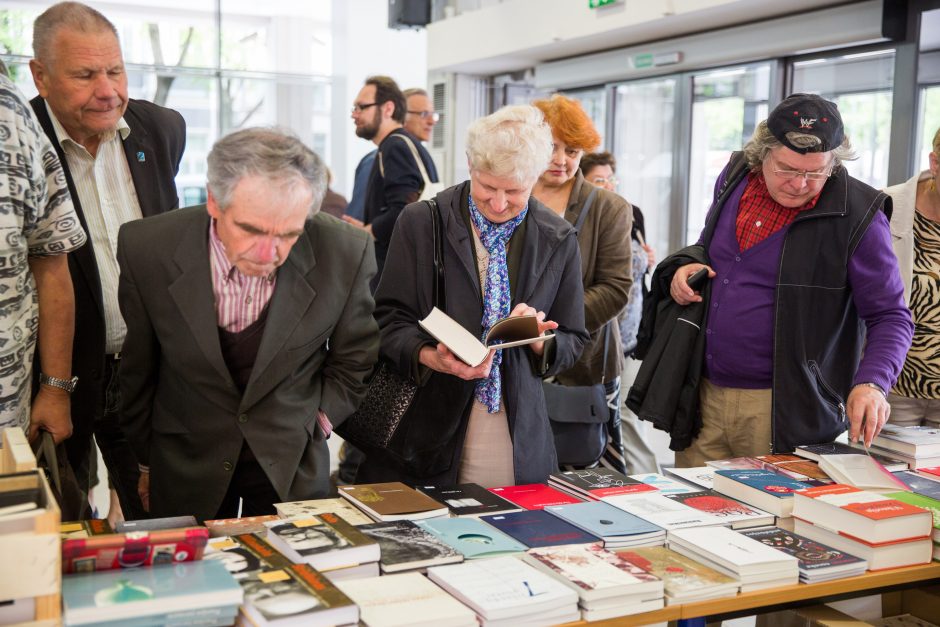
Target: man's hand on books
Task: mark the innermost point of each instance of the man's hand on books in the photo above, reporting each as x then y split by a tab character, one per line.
867	410
544	325
440	359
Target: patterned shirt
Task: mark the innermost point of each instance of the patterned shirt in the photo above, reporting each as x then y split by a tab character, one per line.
760	216
239	298
36	219
108	199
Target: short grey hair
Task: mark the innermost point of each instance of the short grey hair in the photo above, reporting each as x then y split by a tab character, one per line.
414	91
272	153
74	16
515	142
763	141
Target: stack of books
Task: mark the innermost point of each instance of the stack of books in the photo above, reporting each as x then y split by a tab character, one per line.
753	563
684	580
765	490
534	495
664	484
226	527
392	501
469	499
472	537
405	600
918	446
735	514
406	546
607	585
816	451
538	528
328	543
663	511
304	509
507	591
795	467
928	503
187	593
614	526
597	483
818	562
885	532
702	476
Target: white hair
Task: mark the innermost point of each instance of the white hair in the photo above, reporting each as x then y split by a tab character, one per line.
515	142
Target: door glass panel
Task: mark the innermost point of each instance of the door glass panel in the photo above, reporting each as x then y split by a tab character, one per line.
594	102
861	85
929	123
643	143
727	104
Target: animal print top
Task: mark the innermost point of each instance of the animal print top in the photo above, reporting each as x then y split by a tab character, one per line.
920	377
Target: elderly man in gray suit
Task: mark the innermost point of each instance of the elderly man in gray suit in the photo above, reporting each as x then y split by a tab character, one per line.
249	334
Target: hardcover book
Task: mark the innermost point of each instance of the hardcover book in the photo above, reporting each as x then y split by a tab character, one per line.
469	499
595	573
406	546
664	484
815	451
867	516
128	550
735	514
615	526
326	542
664	512
763	489
122	595
534	495
392	501
304	509
818	562
684	579
406	600
472	537
597	483
225	527
296	595
505	333
539	528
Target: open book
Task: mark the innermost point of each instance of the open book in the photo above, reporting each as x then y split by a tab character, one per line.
506	333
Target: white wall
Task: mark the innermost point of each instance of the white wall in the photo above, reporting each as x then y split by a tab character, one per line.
363	45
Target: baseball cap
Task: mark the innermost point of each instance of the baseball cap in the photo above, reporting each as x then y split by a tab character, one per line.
808	114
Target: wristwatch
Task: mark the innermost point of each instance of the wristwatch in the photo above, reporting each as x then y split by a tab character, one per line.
63	384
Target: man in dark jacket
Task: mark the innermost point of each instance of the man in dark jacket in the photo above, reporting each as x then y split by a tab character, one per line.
802	276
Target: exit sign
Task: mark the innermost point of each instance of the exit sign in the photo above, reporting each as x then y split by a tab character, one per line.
594	4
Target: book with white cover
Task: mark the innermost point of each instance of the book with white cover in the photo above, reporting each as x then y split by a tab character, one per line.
664	484
878	556
505	333
736	554
406	600
313	507
664	512
504	588
915	441
860	471
595	573
699	475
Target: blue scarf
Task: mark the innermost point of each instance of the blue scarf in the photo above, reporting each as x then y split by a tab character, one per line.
496	294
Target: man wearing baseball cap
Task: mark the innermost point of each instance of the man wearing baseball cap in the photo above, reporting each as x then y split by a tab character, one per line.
806	327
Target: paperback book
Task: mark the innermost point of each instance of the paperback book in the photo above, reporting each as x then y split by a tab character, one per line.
915	441
795	467
472	537
225	527
86	528
129	550
919	484
664	484
816	451
406	546
156	524
406	600
924	502
817	561
763	489
597	483
304	509
702	476
538	528
326	542
878	556
684	579
298	596
664	512
735	514
469	499
534	495
505	333
860	471
245	555
392	501
613	525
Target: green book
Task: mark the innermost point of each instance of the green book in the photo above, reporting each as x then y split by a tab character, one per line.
918	500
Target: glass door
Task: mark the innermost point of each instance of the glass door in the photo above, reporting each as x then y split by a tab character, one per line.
727	104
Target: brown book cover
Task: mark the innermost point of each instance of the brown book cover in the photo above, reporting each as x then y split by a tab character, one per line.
236	526
681	576
392	501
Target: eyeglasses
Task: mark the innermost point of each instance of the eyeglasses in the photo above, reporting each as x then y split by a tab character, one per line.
434	115
812	175
600	180
359	108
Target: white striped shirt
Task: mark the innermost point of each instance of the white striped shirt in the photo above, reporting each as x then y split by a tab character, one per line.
108	199
239	298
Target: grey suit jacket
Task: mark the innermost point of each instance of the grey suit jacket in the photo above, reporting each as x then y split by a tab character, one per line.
182	412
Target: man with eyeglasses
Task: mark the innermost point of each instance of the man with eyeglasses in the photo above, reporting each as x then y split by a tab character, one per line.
420	118
396	178
802	279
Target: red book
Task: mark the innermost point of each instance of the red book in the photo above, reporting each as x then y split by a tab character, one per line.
135	548
930	473
867	516
534	495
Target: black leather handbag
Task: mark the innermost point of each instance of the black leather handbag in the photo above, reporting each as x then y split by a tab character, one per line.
399	420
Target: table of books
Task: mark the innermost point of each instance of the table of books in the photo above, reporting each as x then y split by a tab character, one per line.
784	596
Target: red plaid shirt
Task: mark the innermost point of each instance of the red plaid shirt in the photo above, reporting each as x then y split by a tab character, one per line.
760	216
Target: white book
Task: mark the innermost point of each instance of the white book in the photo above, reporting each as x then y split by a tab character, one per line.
700	475
406	600
663	512
305	509
664	484
505	333
504	588
860	471
915	441
748	558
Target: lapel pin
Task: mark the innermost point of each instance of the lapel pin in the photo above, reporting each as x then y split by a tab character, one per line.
141	156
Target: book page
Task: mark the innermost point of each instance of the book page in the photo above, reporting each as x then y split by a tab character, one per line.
448	332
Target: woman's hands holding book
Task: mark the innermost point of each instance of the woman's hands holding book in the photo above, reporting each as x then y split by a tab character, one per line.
440	359
544	325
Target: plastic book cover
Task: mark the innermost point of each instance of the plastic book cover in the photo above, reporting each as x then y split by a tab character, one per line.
129	550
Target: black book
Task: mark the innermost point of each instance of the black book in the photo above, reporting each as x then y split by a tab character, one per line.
19	491
406	546
818	561
596	483
156	524
469	500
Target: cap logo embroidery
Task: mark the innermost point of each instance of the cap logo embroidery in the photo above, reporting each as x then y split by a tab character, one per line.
807	122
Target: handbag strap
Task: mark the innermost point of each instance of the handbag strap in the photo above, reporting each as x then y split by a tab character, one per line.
418	159
437	237
577	227
585	210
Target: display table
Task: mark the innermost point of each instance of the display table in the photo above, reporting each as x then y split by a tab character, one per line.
779	598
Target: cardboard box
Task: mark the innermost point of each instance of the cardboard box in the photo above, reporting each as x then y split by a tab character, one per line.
812	616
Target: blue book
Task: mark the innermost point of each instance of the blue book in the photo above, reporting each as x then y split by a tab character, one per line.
129	594
537	528
472	537
766	490
920	485
615	526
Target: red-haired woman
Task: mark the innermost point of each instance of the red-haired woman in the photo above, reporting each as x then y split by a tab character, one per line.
604	241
